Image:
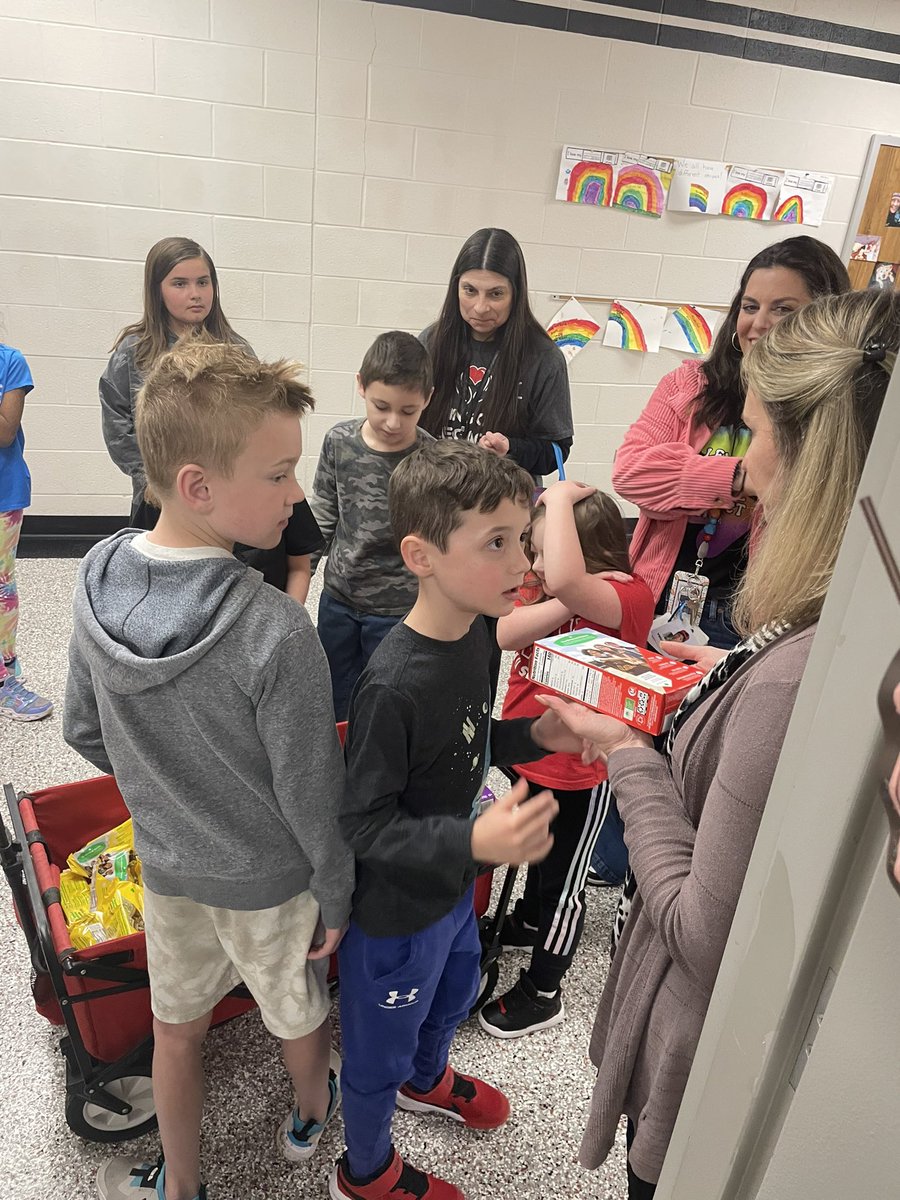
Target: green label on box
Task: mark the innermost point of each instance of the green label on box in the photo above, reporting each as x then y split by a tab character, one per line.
575	639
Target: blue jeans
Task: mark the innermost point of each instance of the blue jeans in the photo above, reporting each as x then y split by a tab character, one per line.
402	999
715	621
349	638
610	857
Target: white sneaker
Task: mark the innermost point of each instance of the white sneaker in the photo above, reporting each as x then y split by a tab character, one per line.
297	1139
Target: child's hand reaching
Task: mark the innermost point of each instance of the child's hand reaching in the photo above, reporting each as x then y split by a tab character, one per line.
614	576
566	491
497	443
515	829
551	733
325	941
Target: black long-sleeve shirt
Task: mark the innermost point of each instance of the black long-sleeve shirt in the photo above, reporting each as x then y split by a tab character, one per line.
420	741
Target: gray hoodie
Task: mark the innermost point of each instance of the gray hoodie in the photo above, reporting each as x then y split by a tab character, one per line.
207	694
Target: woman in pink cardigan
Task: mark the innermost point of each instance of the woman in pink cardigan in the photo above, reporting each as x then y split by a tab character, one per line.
815	387
681	461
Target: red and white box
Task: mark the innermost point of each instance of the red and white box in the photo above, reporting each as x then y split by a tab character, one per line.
636	686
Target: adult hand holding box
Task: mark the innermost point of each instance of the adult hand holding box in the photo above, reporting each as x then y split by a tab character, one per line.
613	677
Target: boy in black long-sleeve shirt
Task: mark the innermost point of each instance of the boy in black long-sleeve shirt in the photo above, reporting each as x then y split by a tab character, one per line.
419	745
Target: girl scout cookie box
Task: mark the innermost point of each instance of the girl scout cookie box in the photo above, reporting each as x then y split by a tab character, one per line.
636	686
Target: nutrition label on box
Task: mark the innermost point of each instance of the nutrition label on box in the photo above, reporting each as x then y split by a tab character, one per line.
566	676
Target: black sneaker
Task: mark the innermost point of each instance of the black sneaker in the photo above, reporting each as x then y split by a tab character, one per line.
595	880
521	1011
516	934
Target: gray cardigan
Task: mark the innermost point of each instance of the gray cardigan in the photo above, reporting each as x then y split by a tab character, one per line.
690	829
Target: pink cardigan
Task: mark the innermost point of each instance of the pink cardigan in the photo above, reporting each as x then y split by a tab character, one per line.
659	469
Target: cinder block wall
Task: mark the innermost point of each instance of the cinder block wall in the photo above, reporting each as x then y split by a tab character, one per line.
332	155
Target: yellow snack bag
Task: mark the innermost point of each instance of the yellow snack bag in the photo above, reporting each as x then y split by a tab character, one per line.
88	932
75	896
133	899
118	839
115	917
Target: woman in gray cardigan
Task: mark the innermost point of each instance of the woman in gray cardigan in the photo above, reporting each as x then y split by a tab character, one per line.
815	385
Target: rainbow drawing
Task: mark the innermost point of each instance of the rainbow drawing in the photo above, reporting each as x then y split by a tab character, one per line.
746	200
640	190
572	328
626	327
590	183
790	209
693	325
698	197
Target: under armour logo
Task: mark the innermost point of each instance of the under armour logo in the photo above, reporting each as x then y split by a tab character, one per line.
396	1000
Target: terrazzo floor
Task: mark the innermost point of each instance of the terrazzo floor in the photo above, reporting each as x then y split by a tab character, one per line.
547	1076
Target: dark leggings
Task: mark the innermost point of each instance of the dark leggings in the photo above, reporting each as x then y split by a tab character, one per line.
553	900
638	1189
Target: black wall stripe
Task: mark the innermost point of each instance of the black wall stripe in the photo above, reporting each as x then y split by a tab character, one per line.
649	31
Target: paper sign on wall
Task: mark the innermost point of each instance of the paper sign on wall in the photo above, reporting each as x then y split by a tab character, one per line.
572	328
751	192
642	183
697	186
802	198
586	176
634	326
690	329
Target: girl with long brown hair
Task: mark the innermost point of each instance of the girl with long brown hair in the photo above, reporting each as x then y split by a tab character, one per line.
181	293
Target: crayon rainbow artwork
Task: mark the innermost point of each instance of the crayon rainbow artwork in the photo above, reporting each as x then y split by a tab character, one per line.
691	329
802	198
634	326
746	200
640	190
572	328
590	183
631	336
698	197
697	187
790	210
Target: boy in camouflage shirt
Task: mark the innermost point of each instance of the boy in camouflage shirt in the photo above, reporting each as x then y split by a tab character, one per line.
367	589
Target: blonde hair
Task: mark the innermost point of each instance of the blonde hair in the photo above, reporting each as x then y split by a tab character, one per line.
821	374
152	330
202	401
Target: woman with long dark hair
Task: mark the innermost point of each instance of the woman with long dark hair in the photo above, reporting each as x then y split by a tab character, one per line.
681	461
498	378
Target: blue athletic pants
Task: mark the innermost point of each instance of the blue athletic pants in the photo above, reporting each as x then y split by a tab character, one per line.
402	999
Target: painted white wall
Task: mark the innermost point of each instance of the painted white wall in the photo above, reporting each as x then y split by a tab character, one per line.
332	155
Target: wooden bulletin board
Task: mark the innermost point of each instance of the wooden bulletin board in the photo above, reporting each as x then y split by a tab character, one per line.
872	246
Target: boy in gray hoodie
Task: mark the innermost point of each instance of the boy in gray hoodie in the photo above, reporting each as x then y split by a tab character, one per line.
206	693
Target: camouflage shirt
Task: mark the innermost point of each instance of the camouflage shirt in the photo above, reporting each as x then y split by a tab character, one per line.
364	568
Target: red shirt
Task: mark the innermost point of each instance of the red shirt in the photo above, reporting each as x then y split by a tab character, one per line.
566	772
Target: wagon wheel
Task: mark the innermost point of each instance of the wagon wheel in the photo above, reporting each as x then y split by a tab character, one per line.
489	978
97	1124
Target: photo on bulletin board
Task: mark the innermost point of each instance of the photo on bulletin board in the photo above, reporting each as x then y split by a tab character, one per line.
885	276
875	221
866	248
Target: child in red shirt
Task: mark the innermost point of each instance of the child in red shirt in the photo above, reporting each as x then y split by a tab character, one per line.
581	560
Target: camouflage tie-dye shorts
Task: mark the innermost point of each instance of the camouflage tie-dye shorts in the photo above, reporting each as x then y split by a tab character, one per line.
196	954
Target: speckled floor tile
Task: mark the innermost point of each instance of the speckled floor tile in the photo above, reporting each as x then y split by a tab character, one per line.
547	1076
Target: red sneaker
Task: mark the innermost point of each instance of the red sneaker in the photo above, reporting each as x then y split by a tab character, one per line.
460	1097
398	1181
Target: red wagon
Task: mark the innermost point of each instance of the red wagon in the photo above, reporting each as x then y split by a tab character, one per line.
101	995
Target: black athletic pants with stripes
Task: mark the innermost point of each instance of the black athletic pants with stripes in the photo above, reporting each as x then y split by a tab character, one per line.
554	889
